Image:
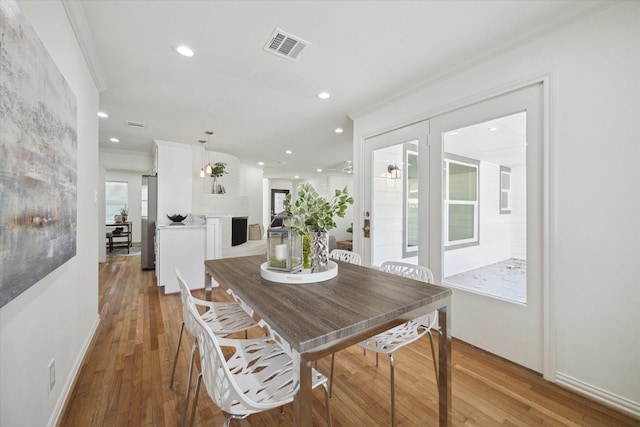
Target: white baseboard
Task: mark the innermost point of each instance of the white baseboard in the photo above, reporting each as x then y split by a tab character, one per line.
599	394
57	410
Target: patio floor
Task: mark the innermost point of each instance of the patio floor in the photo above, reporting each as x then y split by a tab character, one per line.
506	279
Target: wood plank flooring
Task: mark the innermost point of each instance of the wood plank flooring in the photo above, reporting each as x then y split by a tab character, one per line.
124	380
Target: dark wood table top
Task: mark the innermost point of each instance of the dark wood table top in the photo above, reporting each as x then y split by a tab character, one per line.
317	315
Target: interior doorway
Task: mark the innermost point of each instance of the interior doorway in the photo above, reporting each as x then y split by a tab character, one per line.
277	205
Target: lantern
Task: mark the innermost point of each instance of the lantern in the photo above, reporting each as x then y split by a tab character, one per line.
284	250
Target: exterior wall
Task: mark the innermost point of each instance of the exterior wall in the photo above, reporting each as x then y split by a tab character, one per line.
55	319
594	197
387	206
495	229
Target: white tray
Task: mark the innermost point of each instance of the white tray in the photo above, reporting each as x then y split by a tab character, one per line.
301	277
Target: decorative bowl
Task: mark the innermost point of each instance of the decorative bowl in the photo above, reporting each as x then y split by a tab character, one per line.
177	217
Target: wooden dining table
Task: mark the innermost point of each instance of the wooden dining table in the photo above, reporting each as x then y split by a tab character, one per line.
317	319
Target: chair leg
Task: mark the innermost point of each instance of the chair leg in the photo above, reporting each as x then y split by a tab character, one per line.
377	359
175	360
326	402
227	420
333	358
433	356
186	397
393	392
195	401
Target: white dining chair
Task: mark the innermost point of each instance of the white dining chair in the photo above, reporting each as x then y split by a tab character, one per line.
389	341
346	256
257	377
222	318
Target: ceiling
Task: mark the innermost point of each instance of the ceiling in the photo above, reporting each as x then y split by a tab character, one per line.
258	104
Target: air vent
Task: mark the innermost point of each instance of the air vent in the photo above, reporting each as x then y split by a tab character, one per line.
285	45
138	125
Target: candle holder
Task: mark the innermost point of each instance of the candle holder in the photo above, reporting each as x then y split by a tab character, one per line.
284	250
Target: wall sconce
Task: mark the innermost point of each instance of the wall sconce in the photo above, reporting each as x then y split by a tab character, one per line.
393	172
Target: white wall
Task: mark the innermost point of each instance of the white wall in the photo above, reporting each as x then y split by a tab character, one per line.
56	317
134	199
594	276
254	194
519	212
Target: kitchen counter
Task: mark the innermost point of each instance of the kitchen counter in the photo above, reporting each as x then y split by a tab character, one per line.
181	225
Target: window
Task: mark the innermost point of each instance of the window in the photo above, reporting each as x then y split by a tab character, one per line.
461	202
505	190
116	195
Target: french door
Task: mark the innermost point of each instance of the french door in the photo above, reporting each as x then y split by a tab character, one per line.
485	221
394	198
476	209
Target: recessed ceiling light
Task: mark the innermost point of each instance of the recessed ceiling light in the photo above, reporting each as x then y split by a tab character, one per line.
114	140
493	128
324	95
318	170
102	114
288	151
261	163
338	130
185	51
297	176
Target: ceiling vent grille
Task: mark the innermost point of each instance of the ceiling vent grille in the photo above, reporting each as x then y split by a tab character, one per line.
285	45
137	125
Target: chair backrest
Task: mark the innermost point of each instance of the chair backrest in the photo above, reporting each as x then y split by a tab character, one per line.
221	376
346	256
410	271
185	295
415	272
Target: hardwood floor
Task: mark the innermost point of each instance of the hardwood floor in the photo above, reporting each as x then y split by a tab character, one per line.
125	377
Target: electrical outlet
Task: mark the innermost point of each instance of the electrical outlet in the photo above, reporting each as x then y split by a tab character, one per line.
52	374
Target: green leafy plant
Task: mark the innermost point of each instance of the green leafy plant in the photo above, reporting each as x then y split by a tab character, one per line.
312	213
217	169
306	251
350	229
124	211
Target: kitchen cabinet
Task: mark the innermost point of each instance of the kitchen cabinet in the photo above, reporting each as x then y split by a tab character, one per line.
182	247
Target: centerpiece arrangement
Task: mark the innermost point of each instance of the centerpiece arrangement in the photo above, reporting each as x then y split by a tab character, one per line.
216	171
313	215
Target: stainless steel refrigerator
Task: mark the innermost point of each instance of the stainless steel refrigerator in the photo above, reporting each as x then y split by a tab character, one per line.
149	213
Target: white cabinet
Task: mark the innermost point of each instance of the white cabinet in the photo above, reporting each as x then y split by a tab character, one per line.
184	248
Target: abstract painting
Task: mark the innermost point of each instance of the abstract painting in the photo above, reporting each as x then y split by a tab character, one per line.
38	158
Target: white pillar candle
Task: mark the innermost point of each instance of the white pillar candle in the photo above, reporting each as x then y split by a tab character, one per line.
281	251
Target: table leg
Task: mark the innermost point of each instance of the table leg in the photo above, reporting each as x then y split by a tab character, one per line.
444	368
304	397
207	286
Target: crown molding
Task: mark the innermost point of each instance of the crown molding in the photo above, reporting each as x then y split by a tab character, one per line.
78	20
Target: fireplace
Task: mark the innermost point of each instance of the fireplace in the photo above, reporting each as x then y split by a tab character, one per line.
239	229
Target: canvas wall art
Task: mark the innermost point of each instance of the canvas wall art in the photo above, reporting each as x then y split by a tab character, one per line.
38	158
